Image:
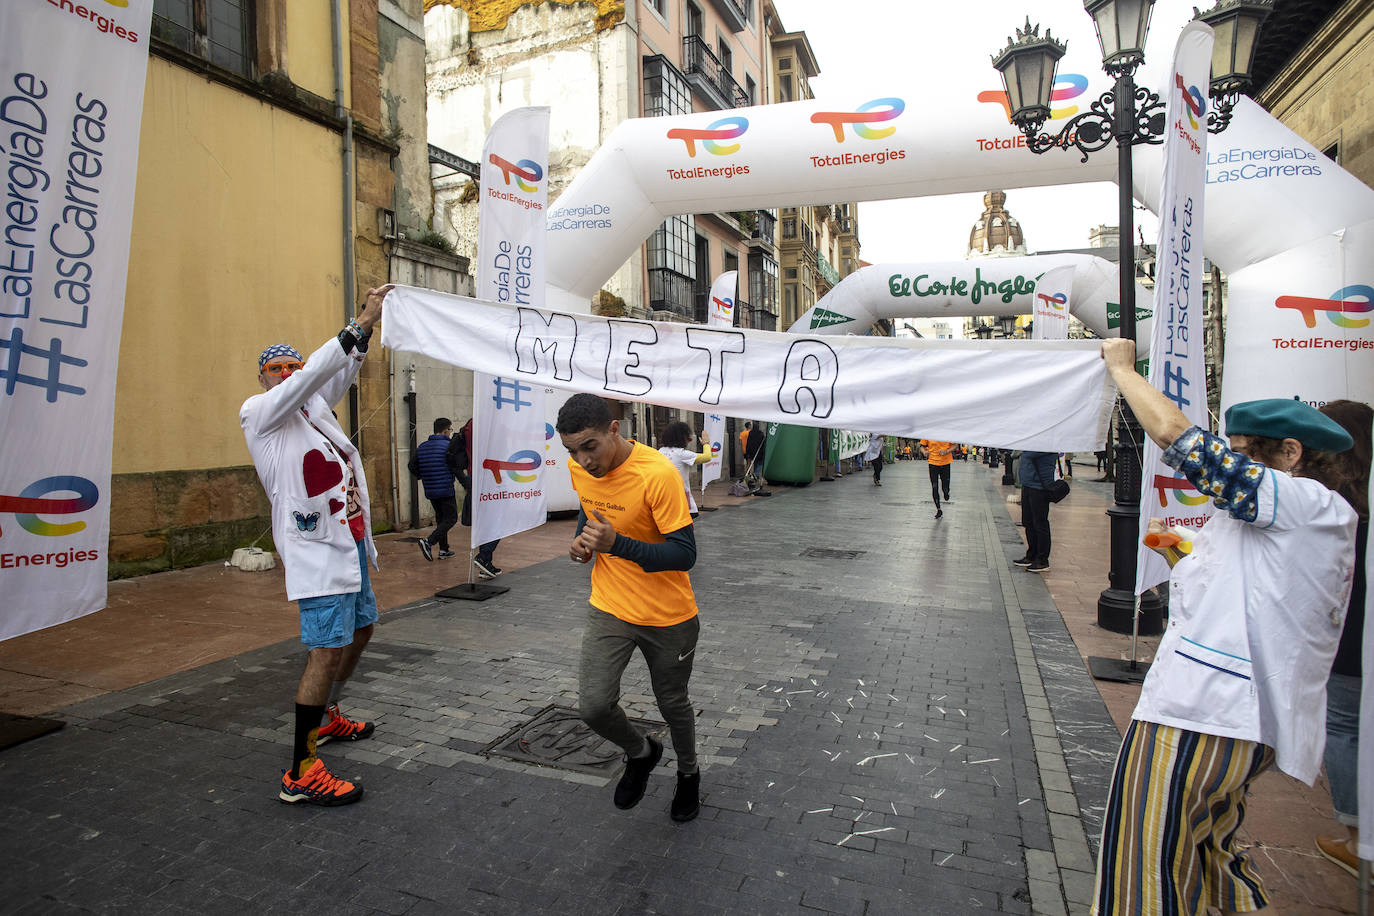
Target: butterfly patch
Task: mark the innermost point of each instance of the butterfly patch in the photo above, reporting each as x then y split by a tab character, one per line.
306	522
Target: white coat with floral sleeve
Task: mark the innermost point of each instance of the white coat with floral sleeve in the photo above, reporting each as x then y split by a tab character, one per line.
1255	615
305	478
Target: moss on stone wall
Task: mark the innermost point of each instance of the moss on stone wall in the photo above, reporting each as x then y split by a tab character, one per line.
492	15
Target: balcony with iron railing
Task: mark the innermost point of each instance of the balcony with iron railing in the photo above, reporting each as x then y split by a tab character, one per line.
708	76
827	272
734	12
765	224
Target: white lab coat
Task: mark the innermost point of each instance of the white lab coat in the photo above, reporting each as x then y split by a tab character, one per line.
318	551
1255	616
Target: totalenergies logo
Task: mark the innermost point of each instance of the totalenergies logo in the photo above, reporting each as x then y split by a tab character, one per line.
1183	491
522	467
32	501
1055	302
1067	86
724	129
725	306
866	114
524	170
1348	300
1192	100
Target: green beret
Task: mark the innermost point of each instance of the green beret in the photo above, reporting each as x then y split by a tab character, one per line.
1283	418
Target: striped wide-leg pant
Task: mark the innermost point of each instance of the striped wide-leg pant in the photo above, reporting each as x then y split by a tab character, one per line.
1176	801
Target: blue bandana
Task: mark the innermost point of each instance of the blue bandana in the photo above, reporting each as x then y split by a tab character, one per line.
275	351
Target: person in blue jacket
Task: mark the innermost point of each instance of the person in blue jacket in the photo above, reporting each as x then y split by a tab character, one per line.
430	466
1036	470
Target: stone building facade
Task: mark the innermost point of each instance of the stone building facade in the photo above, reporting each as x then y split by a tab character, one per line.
252	226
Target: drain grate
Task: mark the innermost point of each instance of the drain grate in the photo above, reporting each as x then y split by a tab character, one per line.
827	553
557	737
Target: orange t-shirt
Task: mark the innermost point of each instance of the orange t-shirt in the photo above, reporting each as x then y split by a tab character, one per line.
940	453
643	498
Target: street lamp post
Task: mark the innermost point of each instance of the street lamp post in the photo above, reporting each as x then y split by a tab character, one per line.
1130	115
1007	325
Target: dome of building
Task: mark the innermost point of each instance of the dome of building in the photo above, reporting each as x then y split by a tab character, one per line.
996	234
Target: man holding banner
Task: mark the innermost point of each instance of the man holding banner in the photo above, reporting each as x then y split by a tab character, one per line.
633	520
322	528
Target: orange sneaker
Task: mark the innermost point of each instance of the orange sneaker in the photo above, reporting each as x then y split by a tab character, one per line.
318	786
1337	851
338	727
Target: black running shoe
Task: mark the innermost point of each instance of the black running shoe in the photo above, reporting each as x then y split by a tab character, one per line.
686	800
631	787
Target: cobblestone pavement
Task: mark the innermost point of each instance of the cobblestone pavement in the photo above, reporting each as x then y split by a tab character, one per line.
874	691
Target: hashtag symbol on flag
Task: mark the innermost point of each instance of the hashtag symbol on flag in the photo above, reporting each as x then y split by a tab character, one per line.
47	377
515	388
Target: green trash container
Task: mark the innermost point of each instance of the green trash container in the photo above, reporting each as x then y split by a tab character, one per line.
791	454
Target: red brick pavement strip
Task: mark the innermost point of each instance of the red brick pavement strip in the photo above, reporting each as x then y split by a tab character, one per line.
1283	815
162	624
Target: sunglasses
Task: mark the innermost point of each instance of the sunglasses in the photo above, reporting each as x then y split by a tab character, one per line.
279	368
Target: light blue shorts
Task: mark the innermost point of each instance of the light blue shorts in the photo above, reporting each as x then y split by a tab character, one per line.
328	621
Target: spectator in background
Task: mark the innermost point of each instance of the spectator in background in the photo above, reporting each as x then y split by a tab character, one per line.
430	464
1036	473
1346	680
675	439
874	456
459	458
754	447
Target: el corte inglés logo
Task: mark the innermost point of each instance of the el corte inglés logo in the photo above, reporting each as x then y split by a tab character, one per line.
823	318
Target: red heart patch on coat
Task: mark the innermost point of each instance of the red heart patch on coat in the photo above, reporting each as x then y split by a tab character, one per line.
320	473
335	506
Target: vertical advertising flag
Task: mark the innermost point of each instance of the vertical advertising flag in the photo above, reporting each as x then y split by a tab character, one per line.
1176	363
71	102
508	414
720	313
507	457
1050	320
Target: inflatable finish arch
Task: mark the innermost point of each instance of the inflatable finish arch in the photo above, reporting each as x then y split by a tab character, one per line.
1292	229
984	286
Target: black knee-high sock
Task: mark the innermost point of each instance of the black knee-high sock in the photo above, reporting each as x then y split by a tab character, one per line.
307	728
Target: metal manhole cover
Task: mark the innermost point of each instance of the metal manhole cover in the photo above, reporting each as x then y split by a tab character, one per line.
827	553
557	737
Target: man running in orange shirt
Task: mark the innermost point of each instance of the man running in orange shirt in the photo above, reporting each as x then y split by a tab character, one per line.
938	457
633	519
